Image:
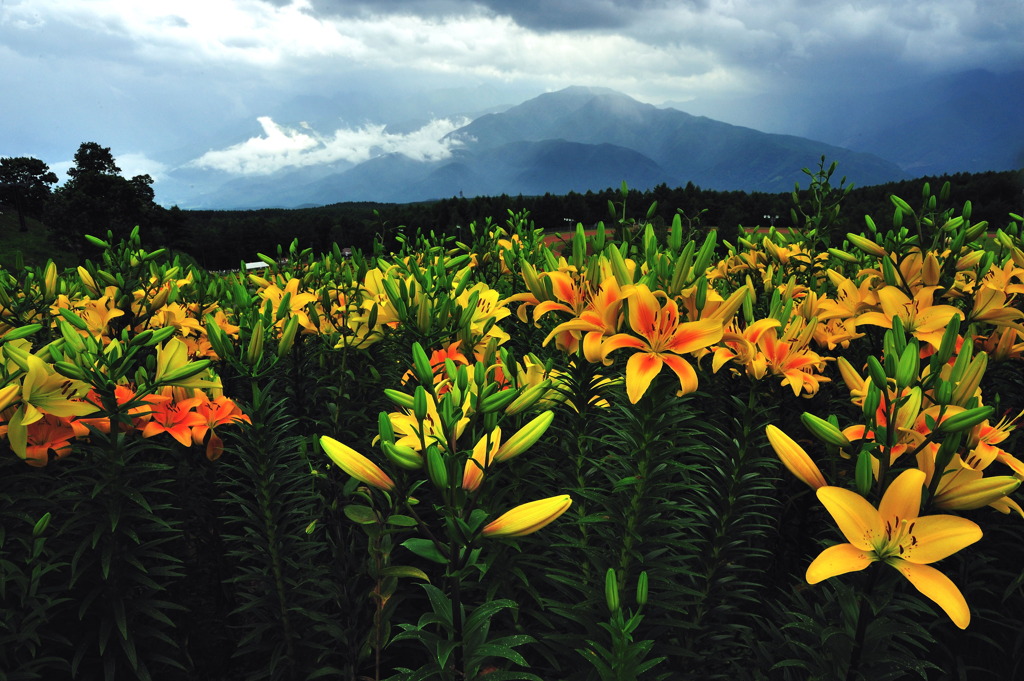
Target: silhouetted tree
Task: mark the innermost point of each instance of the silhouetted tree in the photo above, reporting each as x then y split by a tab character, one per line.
96	199
25	183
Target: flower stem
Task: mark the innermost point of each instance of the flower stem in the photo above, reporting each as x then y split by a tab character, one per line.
862	627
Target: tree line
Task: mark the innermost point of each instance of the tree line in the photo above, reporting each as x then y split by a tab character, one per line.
97	198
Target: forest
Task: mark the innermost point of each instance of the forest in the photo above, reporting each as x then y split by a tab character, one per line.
96	198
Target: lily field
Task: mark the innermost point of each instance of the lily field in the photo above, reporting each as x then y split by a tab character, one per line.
638	451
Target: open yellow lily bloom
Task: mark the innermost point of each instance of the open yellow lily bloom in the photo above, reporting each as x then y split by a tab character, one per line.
895	535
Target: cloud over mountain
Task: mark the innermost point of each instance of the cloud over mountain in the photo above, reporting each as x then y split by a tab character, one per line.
281	147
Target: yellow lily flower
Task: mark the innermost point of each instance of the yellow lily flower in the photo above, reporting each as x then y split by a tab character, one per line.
926	321
895	535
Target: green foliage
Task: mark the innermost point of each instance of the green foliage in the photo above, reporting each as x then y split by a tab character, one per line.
287	584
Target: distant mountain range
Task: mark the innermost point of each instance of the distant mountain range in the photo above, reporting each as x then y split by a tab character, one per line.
580	139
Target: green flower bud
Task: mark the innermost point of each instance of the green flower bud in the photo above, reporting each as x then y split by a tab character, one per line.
827	432
403	456
877	373
421	365
437	469
907	369
641	589
865	474
611	590
965	420
419	403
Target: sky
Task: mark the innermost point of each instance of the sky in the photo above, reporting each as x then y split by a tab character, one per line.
236	88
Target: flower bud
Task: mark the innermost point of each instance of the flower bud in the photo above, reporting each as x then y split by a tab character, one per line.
877	373
965	420
355	464
419	403
403	456
437	468
611	590
865	472
907	367
528	397
528	518
827	432
872	399
794	458
641	589
421	365
41	524
254	352
843	255
971	379
50	280
525	437
865	244
976	493
284	345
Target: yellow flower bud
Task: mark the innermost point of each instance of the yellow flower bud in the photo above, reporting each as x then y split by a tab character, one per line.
528	518
794	458
355	464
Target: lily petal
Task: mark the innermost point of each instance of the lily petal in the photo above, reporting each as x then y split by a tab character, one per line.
939	536
641	369
687	376
938	587
837	560
857	519
902	499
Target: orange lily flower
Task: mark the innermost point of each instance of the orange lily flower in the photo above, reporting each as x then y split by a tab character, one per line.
174	417
216	412
662	340
48	434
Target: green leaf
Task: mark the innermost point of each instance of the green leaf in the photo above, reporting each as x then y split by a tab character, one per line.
405	571
364	515
424	548
401	520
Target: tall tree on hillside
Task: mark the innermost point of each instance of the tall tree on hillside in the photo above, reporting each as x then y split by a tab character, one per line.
25	183
97	198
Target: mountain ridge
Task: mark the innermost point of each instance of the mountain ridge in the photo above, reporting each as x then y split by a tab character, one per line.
574	139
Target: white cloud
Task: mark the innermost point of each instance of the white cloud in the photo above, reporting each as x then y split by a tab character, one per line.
282	147
139	164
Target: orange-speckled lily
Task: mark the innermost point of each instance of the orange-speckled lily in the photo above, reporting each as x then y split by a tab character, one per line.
895	535
662	340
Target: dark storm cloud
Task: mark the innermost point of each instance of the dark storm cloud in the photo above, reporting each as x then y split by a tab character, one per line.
537	15
572	15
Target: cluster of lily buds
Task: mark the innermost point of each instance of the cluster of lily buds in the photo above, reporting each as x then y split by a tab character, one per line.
423	442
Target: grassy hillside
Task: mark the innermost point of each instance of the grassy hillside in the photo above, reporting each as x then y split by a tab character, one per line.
35	245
